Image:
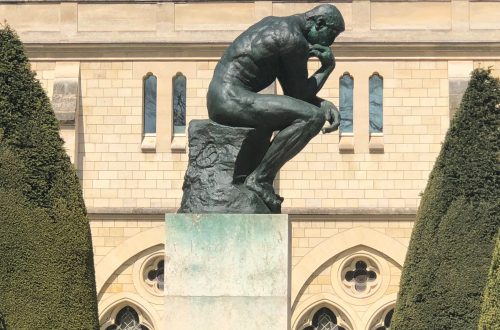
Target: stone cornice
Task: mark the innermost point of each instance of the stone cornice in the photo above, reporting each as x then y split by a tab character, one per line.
295	213
198	51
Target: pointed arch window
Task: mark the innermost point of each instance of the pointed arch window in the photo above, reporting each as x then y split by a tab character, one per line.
384	320
179	104
376	104
324	319
149	102
127	319
346	103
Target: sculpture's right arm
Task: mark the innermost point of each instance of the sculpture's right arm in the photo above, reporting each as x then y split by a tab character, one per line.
294	76
325	56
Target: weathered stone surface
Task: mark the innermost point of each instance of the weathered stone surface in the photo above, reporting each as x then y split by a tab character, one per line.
220	157
65	100
226	271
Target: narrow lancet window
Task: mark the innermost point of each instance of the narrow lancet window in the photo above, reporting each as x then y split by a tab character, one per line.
149	104
179	104
346	103
376	106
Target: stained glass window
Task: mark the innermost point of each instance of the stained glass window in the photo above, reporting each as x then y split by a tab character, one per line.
376	106
150	104
179	106
346	103
127	319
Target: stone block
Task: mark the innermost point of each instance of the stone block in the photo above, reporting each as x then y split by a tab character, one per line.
220	158
227	271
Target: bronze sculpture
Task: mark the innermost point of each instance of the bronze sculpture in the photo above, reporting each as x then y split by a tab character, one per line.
277	48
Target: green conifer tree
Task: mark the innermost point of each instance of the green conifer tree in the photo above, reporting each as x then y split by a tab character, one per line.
451	245
46	264
490	309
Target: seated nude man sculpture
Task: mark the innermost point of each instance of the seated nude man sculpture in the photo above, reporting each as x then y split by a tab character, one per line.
277	48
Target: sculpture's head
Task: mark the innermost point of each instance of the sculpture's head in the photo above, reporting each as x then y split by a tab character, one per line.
323	24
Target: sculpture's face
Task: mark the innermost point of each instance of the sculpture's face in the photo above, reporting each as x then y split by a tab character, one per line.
324	28
322	33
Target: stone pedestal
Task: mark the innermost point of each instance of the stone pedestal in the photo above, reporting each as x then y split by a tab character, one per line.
227	271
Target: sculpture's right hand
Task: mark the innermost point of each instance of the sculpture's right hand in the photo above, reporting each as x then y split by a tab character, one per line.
323	53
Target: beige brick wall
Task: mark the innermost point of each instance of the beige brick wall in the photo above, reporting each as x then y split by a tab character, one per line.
45	74
415	121
116	173
307	234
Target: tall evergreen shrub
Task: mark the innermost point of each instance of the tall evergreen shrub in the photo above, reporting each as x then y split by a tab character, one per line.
490	309
451	245
46	264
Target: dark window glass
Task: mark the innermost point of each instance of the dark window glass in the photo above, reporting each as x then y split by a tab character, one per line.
388	318
179	106
157	274
387	321
346	103
376	107
150	104
324	319
127	319
360	275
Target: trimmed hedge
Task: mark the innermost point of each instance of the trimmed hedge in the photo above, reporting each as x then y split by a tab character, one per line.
46	266
452	241
490	309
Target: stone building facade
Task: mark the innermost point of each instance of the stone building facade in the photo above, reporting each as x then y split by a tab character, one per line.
351	196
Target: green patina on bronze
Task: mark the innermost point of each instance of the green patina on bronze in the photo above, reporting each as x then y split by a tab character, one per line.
275	48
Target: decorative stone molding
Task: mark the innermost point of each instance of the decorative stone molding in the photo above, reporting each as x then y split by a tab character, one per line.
109	307
147	288
213	51
374	262
339	243
371	316
129	248
305	311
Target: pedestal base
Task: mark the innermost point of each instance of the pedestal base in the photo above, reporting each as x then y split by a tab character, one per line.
227	271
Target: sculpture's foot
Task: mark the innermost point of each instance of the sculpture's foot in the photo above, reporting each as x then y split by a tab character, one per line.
266	192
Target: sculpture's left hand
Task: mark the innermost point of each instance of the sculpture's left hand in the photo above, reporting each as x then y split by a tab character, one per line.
332	116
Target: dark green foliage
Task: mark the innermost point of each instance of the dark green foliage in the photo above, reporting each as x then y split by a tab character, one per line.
46	262
490	309
451	246
2	323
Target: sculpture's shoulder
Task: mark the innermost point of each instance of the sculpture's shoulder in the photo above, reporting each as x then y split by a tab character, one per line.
282	32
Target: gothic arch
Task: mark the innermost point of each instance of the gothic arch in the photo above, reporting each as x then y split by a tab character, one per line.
335	245
123	299
308	307
129	248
